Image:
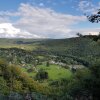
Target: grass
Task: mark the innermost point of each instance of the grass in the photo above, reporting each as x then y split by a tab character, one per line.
28	47
55	72
32	74
40	57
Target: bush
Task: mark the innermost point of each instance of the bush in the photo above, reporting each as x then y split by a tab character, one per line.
41	75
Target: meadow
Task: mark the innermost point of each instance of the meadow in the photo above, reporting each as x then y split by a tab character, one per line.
55	72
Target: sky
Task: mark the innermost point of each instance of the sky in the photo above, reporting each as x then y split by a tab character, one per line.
47	18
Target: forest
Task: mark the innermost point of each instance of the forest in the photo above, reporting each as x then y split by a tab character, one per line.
42	70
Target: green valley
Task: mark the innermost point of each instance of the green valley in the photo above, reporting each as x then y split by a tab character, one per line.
49	68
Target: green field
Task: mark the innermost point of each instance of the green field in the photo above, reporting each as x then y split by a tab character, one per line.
55	72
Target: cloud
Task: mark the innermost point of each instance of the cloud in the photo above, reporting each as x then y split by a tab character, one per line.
88	31
88	7
46	22
4	19
94	31
41	22
7	30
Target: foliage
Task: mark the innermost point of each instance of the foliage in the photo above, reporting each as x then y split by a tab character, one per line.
4	89
41	75
95	18
58	83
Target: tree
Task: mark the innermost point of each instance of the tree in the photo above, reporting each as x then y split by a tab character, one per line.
41	75
96	38
3	64
3	86
79	87
79	34
47	64
94	18
17	86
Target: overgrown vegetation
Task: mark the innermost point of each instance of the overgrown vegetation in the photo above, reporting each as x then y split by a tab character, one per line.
61	69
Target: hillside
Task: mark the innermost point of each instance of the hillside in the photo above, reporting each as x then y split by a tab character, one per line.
80	49
46	69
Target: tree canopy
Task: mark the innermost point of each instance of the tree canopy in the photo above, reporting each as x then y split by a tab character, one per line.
94	18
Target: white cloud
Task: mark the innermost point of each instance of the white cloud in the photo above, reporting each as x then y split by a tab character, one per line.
7	30
46	22
88	31
94	31
40	22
